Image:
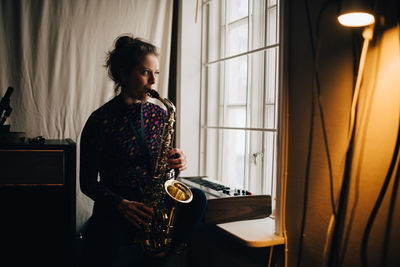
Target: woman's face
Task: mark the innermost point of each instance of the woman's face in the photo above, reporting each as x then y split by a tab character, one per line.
141	78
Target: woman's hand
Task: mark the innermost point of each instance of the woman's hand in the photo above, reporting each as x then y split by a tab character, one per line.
177	159
135	212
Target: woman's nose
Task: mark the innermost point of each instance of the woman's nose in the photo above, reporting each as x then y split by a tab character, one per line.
152	78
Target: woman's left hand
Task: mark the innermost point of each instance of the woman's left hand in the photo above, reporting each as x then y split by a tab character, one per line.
177	159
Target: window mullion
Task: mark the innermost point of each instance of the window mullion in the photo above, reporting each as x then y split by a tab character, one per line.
247	165
222	133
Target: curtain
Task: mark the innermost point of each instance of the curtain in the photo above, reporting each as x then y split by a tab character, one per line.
53	53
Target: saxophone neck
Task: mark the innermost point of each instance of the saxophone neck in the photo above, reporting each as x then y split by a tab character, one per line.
166	102
160	167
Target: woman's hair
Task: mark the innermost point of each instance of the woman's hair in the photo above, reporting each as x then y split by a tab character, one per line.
128	52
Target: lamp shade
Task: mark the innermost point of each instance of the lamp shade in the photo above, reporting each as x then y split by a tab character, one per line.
355	13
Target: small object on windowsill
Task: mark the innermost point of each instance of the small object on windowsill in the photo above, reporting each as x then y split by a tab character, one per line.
36	140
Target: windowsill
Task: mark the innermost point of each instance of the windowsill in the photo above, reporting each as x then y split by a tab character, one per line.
253	233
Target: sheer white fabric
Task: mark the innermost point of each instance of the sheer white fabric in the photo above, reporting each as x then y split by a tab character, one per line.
53	52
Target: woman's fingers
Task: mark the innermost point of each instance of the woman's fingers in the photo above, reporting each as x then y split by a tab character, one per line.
141	210
133	220
175	151
137	213
146	209
182	168
177	159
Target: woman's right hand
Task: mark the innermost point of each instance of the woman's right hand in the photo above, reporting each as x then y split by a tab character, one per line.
136	212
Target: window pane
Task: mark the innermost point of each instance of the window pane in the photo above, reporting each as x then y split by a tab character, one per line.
271	3
215	30
258	25
237	38
255	162
238	32
272	29
235	116
214	97
269	162
212	157
225	156
236	9
269	116
256	89
233	157
271	75
236	80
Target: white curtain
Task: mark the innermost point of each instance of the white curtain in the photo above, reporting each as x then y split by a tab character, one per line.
53	52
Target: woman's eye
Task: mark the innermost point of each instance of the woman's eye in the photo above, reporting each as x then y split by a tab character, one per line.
148	72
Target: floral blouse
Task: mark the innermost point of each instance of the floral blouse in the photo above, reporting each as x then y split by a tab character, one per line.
114	159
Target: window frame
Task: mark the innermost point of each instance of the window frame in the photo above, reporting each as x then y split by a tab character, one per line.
280	140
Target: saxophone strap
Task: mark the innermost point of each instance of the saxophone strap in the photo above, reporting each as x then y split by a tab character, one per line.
141	136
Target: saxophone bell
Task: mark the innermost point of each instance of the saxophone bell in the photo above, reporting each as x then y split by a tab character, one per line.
178	191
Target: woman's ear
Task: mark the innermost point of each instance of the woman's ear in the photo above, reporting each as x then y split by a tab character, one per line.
123	76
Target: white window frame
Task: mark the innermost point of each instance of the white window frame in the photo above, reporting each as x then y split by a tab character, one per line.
278	181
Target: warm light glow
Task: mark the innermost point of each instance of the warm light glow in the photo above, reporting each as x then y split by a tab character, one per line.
356	19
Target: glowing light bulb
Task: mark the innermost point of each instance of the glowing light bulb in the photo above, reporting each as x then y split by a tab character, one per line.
356	19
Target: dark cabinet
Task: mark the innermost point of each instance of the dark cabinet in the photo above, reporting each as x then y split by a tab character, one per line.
37	203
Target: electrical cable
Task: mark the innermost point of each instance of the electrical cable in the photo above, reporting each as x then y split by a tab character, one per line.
390	214
394	192
371	219
308	162
285	149
314	94
334	255
357	177
393	197
363	125
321	111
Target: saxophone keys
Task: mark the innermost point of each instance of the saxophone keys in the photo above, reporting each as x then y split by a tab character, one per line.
165	217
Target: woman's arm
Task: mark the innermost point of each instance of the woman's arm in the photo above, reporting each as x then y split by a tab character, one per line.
91	147
92	144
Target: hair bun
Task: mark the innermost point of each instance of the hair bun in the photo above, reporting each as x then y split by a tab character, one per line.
123	41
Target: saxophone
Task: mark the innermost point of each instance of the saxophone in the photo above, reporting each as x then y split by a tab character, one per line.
163	193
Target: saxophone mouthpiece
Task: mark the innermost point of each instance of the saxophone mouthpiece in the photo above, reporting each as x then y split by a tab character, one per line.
153	93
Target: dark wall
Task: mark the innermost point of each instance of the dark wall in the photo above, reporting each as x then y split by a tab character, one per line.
377	123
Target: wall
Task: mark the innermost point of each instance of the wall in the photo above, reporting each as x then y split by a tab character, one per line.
189	73
377	122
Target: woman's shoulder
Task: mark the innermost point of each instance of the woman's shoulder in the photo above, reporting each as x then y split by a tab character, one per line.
104	114
109	108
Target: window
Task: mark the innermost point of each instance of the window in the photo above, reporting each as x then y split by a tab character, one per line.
240	56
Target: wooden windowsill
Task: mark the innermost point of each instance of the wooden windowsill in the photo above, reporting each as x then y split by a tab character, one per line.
253	233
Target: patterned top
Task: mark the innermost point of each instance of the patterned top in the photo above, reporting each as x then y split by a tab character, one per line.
111	148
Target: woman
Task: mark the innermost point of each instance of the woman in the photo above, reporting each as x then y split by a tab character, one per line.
118	145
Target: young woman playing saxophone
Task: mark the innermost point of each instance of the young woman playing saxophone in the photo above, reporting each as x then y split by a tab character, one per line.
118	143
